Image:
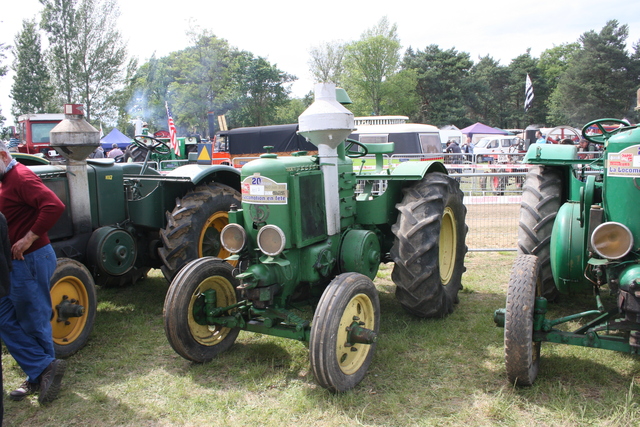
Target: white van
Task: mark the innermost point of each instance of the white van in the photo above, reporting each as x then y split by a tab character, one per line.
489	147
409	138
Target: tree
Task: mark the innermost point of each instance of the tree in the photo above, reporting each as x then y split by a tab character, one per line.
599	80
87	52
59	21
3	72
203	81
370	61
100	56
441	76
326	63
488	97
31	91
554	62
259	90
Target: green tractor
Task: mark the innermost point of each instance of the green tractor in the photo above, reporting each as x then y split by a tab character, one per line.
308	239
121	220
576	236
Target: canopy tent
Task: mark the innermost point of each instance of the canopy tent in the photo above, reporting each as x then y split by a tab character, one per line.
479	130
115	137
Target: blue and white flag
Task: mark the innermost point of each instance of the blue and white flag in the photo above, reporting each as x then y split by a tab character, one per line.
528	94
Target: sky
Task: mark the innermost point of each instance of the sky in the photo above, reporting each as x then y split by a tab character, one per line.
284	32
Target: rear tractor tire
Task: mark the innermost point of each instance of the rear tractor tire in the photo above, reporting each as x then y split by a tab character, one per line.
183	305
429	246
194	226
541	200
73	300
521	353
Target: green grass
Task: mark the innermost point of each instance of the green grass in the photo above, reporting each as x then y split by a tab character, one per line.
425	372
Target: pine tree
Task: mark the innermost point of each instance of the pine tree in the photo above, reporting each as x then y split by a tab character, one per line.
31	91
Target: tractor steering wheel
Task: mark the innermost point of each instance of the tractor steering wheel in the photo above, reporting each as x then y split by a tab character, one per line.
604	137
355	154
158	146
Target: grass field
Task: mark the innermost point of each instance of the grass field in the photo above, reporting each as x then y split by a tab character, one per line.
425	372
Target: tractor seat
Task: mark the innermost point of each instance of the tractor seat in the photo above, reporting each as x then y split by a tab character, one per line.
381	148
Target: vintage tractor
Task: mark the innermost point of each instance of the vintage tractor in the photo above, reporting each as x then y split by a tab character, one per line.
121	220
578	234
303	237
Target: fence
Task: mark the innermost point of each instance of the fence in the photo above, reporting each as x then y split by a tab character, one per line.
492	187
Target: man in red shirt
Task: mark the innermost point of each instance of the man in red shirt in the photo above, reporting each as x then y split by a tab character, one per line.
31	209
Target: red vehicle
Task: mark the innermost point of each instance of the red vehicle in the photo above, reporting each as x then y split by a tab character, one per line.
34	133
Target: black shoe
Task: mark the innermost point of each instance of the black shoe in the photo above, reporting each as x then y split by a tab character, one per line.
50	380
24	390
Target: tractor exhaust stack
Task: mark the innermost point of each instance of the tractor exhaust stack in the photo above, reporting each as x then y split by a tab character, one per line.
74	139
326	123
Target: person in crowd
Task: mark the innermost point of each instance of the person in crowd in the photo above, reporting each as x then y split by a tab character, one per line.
467	148
31	209
5	270
540	139
453	147
98	153
115	151
586	149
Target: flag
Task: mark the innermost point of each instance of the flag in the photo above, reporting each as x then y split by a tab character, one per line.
528	93
101	132
173	132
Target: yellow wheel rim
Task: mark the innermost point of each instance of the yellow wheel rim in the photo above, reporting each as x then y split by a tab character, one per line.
68	288
448	245
350	361
225	294
209	242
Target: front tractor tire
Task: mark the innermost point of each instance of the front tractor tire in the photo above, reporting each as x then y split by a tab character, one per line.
73	299
521	353
338	361
194	226
541	200
184	322
429	246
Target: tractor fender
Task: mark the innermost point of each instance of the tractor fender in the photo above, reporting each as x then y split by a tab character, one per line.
568	250
198	174
417	170
544	153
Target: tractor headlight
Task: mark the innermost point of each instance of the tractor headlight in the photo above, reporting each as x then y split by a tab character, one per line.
233	238
271	240
612	240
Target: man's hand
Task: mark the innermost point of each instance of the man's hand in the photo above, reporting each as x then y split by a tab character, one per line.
18	248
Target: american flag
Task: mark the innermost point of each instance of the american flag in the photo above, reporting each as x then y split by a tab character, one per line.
528	93
173	132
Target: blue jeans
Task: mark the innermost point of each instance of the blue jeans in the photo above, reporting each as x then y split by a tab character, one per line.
25	314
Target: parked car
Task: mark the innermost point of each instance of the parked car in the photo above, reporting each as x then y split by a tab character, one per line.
490	147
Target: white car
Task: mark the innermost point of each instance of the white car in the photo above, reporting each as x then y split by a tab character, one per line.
490	147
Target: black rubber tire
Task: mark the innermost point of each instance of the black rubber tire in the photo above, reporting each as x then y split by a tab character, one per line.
521	353
541	200
72	282
425	286
335	366
187	235
193	341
